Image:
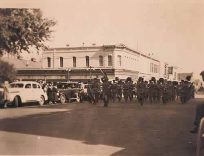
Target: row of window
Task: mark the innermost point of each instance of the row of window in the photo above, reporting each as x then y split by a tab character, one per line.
74	60
154	68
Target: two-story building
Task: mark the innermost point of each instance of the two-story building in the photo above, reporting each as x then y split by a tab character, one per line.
83	63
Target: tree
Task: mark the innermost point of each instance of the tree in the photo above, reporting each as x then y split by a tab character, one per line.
7	72
21	29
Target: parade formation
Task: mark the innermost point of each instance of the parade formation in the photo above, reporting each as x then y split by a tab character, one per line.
152	91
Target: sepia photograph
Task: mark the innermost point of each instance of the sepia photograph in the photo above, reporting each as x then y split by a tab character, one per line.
102	77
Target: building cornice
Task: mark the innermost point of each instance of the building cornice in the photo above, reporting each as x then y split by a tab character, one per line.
93	48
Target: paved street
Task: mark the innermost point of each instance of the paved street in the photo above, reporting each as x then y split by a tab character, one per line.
85	129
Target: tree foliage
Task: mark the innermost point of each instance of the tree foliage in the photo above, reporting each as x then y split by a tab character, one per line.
21	29
7	72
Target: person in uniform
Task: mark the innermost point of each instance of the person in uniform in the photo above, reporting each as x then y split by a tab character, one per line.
174	90
90	92
113	88
96	90
125	90
119	90
164	92
131	90
141	86
151	91
105	91
146	96
158	91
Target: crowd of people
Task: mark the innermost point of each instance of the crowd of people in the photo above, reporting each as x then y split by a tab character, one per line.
153	91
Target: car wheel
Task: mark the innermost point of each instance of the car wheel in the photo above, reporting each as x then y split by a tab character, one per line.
42	101
62	99
16	102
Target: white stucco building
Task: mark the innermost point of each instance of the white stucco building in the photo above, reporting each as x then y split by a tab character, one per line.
82	63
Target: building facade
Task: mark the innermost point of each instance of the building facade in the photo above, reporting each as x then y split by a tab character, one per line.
83	63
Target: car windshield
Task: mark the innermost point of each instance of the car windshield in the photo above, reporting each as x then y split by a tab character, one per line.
16	85
68	85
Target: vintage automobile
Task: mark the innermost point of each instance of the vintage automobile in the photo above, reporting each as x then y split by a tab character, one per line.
69	91
25	91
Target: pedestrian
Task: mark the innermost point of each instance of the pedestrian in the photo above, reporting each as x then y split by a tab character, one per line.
54	94
5	93
49	93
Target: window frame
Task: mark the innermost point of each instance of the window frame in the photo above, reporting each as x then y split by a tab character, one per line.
74	61
110	60
119	57
61	62
101	61
87	61
49	62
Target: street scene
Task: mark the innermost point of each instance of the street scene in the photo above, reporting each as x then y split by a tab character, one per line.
102	77
87	129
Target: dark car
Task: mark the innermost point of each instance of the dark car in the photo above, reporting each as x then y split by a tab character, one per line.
69	91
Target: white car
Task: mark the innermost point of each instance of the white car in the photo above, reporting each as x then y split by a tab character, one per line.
25	91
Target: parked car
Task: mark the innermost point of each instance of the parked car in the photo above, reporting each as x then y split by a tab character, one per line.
69	91
25	91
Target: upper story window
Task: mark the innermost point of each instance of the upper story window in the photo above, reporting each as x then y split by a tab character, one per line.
100	60
154	68
61	61
110	60
48	62
74	61
87	61
119	60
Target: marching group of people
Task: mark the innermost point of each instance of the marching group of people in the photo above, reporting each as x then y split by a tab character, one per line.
153	91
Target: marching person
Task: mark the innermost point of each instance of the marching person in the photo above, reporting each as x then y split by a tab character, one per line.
105	91
141	90
113	91
119	90
96	90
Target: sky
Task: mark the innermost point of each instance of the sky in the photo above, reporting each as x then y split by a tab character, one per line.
170	30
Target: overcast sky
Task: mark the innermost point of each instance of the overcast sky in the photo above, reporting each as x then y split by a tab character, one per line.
173	30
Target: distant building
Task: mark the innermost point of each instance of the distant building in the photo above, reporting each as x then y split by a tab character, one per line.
164	70
173	72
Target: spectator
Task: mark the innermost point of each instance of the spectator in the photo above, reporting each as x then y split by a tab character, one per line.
49	93
54	94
